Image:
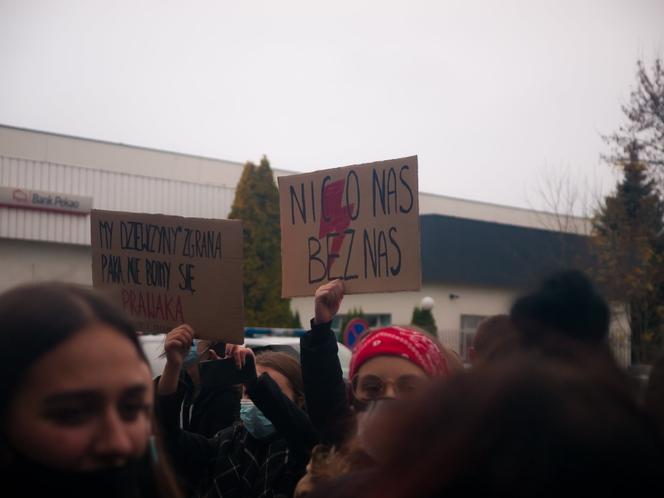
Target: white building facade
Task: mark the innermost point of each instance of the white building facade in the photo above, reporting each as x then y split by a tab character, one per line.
50	243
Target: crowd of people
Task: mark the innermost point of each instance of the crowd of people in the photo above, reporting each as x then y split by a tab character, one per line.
543	410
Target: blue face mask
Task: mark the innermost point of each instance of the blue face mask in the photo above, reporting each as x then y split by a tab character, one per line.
192	356
254	421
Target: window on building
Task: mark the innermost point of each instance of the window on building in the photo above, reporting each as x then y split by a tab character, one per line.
469	324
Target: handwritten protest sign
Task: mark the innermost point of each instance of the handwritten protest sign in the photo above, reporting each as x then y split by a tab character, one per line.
167	270
358	223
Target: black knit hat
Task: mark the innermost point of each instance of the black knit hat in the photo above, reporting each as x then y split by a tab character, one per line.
565	303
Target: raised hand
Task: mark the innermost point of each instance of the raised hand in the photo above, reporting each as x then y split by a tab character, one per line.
328	298
177	344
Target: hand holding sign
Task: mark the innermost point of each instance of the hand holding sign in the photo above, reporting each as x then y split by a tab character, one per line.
327	301
177	344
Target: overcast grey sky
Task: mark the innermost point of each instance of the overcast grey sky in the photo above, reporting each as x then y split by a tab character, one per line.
490	94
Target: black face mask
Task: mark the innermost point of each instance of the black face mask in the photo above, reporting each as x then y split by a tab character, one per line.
26	478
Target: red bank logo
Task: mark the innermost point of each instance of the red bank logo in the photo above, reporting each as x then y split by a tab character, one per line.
19	196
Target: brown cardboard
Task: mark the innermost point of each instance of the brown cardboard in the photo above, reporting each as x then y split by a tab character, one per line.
358	223
144	261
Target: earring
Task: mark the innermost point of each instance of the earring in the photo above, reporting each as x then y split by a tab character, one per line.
154	453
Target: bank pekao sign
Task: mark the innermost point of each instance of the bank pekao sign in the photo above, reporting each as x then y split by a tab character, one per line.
22	198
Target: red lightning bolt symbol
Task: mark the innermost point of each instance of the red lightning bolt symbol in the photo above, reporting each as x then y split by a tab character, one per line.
335	217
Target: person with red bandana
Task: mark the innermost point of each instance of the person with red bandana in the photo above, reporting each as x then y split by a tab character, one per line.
390	363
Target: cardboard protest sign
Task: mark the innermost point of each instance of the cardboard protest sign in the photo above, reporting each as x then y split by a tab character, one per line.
358	223
168	270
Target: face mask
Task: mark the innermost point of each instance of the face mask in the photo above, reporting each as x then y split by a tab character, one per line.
127	480
254	421
192	356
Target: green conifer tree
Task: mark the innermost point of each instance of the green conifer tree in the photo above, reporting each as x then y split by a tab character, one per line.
644	113
424	319
256	203
628	241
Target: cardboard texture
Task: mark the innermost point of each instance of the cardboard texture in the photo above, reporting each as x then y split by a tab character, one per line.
168	270
358	223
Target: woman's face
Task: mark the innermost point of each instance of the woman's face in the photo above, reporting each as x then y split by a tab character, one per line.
84	405
388	377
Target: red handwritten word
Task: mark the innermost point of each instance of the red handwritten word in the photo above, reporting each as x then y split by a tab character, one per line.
154	306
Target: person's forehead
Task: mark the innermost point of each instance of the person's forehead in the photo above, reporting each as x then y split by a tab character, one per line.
390	367
96	359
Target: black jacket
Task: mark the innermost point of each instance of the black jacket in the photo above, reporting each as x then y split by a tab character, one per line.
211	410
324	387
234	463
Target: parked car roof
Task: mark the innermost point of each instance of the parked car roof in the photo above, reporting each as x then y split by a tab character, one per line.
153	345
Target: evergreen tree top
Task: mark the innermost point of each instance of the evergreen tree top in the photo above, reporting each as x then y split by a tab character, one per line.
256	203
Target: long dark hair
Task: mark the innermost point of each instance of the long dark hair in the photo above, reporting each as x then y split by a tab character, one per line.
35	319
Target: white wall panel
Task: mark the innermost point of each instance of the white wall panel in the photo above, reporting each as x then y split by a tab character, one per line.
110	190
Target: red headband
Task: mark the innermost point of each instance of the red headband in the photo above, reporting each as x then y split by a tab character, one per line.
410	344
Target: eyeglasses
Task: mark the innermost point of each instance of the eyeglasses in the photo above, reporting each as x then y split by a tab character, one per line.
372	387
